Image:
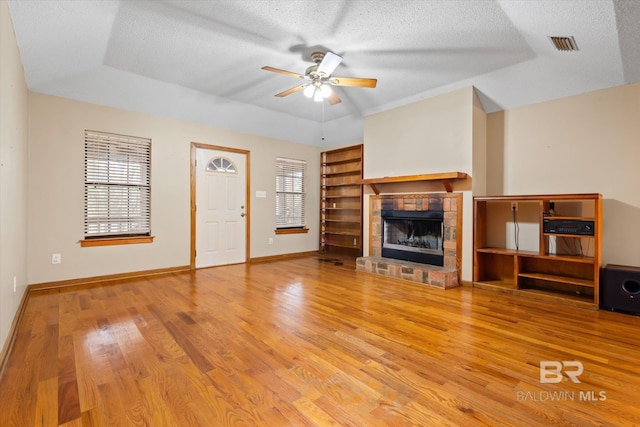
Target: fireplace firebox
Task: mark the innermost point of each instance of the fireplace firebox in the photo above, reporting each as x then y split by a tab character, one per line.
413	236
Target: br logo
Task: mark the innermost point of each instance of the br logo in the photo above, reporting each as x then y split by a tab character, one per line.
553	371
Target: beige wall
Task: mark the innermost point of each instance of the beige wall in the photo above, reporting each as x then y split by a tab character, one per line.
13	174
479	181
588	143
55	192
429	136
581	144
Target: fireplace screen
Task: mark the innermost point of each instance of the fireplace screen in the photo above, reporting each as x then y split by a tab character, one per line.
413	236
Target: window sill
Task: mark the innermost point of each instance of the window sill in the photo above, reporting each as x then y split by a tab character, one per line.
109	241
292	230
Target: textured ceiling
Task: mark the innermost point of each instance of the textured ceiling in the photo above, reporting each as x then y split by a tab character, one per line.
201	60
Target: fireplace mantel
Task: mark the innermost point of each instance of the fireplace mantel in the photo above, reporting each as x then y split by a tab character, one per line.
445	177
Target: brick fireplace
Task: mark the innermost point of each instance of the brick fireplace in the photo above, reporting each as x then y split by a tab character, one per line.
449	206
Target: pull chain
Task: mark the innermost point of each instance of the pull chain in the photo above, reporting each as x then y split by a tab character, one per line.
322	124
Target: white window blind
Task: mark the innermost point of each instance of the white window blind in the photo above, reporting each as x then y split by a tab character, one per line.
116	185
290	195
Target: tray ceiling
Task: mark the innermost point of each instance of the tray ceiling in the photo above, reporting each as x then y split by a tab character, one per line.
201	61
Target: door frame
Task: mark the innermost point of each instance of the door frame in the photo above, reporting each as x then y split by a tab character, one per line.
247	154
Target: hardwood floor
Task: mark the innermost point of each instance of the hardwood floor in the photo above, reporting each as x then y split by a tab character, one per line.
306	342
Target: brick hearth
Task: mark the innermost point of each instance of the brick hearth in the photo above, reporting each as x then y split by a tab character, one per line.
444	277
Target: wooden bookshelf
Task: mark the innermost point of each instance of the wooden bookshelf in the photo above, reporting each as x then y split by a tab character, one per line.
341	201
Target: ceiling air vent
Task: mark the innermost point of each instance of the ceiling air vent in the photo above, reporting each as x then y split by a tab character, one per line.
563	43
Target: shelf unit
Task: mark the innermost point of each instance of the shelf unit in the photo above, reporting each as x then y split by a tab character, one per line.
513	253
341	200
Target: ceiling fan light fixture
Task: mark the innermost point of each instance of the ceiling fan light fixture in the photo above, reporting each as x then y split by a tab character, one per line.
309	91
317	96
325	90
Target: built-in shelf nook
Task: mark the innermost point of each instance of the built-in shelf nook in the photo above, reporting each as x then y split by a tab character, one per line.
341	201
543	246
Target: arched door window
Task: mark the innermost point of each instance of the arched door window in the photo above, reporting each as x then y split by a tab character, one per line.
221	164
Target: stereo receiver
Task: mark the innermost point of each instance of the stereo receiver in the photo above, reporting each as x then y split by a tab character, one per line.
568	226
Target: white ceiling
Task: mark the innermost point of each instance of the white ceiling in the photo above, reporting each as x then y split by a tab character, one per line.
201	61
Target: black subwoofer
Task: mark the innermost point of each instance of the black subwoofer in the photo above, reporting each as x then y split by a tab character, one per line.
620	289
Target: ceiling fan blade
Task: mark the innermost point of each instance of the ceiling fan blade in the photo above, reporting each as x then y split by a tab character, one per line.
329	63
333	99
290	91
285	72
353	81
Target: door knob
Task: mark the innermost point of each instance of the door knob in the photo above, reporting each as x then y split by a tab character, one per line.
243	214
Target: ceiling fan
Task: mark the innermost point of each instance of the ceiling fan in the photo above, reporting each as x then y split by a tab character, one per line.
318	79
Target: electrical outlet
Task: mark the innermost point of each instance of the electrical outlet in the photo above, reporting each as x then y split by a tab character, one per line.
271	240
56	258
15	284
514	206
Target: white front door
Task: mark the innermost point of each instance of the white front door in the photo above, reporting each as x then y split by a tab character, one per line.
221	208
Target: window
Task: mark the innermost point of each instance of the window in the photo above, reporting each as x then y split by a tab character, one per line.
290	196
221	164
116	186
